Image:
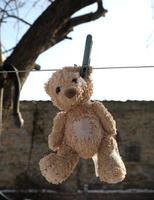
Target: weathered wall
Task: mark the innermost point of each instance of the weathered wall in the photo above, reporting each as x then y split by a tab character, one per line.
21	149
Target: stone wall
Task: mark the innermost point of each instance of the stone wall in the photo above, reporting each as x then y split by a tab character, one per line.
21	149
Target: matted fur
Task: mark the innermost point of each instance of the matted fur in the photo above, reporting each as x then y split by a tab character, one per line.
82	129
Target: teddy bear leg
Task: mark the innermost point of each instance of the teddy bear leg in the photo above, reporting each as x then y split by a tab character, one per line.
56	167
111	168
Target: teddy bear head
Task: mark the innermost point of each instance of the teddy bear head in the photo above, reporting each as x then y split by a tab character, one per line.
68	89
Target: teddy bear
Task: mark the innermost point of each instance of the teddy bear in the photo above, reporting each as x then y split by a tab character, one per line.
82	129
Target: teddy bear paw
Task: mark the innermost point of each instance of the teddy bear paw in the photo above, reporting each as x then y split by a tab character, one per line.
51	169
116	176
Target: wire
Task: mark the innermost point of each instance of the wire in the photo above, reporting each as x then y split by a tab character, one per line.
95	68
125	67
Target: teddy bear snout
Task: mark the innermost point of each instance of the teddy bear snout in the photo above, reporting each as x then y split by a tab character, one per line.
70	93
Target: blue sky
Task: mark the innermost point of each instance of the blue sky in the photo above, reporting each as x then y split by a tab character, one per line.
123	38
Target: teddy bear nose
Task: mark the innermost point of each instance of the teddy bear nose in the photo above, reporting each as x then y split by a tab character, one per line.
71	92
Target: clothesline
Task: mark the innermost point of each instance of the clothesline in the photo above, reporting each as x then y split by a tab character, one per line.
95	68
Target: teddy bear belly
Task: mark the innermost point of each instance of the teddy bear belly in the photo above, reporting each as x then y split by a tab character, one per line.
84	136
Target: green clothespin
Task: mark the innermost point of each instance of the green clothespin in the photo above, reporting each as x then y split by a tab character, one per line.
86	57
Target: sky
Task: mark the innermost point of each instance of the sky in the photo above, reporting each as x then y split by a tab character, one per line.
123	38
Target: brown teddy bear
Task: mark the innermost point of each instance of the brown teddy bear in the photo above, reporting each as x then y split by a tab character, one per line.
82	129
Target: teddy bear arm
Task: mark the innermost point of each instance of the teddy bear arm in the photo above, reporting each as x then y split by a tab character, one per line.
55	138
105	117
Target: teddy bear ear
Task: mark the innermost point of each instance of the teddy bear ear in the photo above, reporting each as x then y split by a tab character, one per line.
74	68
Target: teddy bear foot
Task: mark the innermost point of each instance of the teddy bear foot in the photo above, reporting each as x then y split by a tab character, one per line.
111	168
115	176
57	168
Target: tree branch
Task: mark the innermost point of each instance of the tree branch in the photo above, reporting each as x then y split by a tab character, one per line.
18	18
68	27
8	50
14	16
90	16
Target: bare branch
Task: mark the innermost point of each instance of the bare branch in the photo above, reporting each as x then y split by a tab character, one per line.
69	38
70	24
14	16
3	13
8	50
9	10
90	16
18	18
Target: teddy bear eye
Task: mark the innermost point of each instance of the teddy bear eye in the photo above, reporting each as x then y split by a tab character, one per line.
74	80
57	90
